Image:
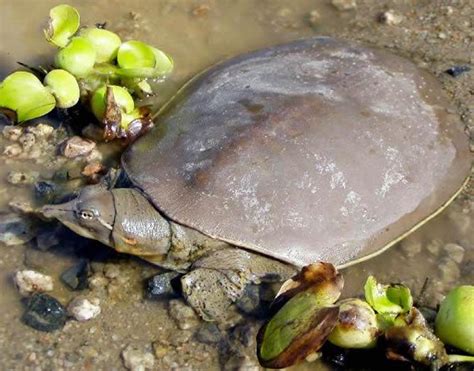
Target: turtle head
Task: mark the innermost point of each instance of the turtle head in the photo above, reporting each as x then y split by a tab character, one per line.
91	214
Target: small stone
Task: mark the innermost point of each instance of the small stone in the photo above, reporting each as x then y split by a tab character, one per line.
442	36
137	360
411	247
29	281
456	71
455	252
15	229
434	246
208	333
93	168
183	315
390	18
161	349
21	206
97	281
77	146
41	130
83	309
45	190
75	277
27	141
344	4
20	177
44	313
94	156
450	271
12	132
200	10
93	132
12	150
112	271
161	286
314	18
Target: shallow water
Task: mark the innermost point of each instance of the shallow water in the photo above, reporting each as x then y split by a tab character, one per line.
197	34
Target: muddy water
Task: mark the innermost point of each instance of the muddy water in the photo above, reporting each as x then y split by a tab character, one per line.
197	34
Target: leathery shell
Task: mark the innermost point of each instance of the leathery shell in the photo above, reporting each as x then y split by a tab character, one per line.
318	149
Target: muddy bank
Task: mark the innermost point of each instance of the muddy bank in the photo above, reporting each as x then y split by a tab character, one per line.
132	329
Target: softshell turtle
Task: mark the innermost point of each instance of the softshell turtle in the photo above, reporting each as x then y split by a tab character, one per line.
318	149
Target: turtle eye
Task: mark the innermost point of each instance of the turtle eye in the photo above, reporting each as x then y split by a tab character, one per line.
86	214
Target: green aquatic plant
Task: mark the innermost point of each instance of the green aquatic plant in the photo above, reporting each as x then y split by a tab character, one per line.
90	63
455	319
64	88
357	326
105	43
78	57
24	93
64	21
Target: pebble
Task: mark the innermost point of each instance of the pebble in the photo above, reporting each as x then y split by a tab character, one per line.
15	229
20	177
83	309
434	247
12	150
314	18
75	277
93	168
390	18
208	333
455	252
456	71
161	286
77	146
183	315
411	247
41	130
137	360
44	313
45	190
450	271
12	132
344	4
29	281
27	141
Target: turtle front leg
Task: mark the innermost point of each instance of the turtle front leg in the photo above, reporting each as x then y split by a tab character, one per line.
218	279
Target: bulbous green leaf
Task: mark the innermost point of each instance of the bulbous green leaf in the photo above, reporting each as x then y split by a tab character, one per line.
105	43
163	62
455	319
387	299
357	326
64	21
64	87
23	93
121	97
135	54
78	57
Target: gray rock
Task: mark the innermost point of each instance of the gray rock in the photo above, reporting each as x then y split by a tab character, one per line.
44	313
76	147
15	229
75	277
137	360
208	333
161	286
183	315
455	252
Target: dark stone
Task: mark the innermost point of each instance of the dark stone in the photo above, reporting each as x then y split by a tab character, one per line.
455	71
75	277
164	285
45	191
44	313
256	300
208	333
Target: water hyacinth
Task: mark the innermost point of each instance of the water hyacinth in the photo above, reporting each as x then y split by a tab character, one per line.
106	43
78	57
64	88
304	318
455	319
64	21
357	326
24	93
121	97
